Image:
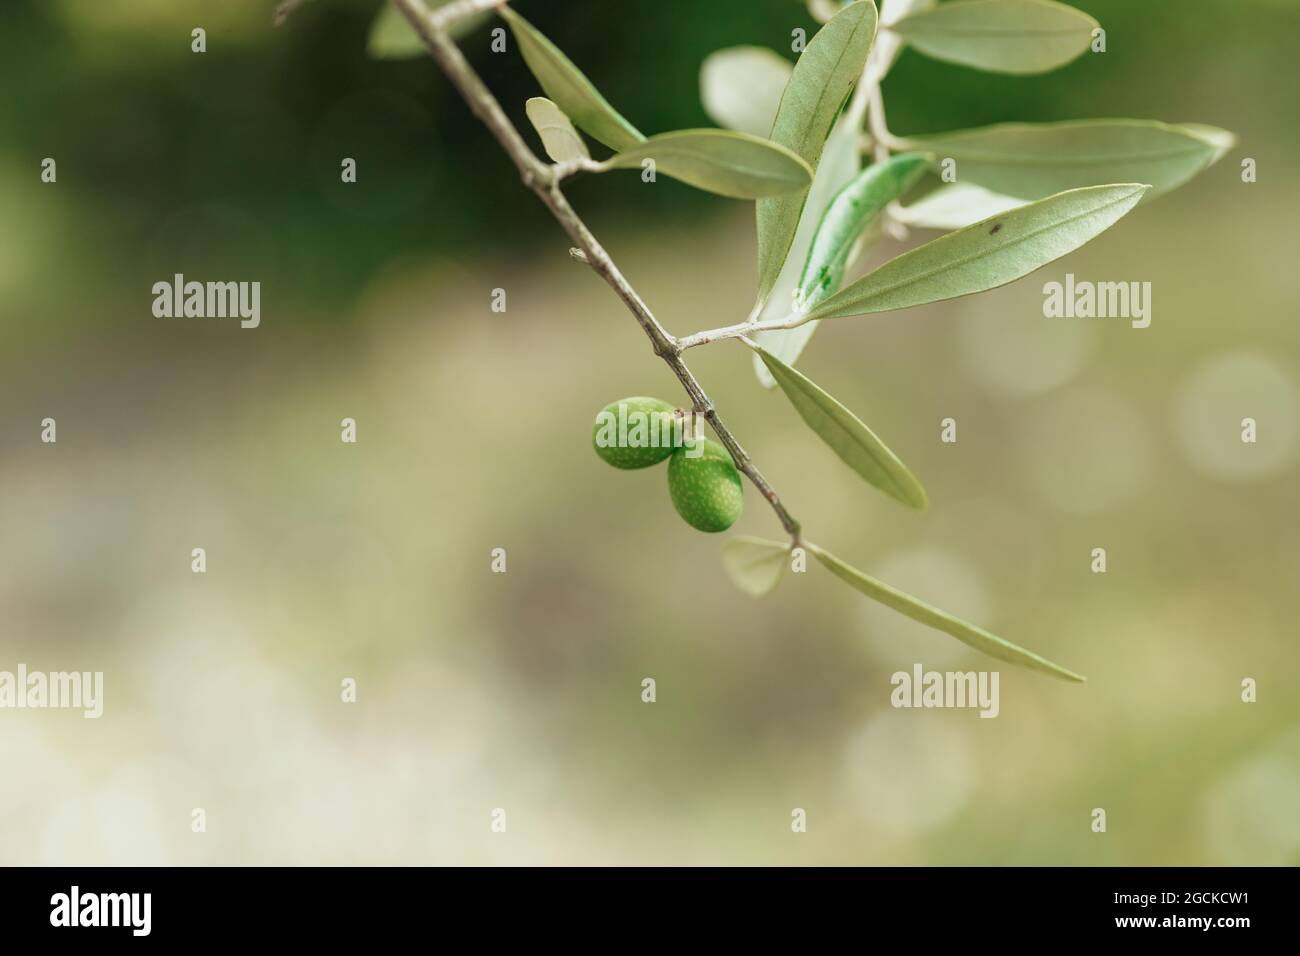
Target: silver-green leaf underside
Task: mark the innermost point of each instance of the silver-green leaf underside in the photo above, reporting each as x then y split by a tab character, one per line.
1221	139
1033	160
560	140
822	78
846	217
1000	36
721	161
839	163
847	436
754	565
987	254
930	616
571	91
393	38
956	206
741	87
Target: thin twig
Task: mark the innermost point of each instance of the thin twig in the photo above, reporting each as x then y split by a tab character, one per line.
571	167
544	180
283	9
880	134
447	15
780	323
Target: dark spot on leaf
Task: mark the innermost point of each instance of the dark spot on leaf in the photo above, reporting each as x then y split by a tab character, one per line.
996	227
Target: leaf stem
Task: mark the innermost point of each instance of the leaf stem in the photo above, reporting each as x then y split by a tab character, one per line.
544	180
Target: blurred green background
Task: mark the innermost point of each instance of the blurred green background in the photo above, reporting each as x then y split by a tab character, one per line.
522	690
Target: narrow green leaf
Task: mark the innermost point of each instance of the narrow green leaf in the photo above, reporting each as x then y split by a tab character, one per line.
848	214
755	566
571	91
1220	139
855	443
956	206
720	161
839	163
741	87
988	254
1002	36
393	38
822	79
560	140
1033	160
918	610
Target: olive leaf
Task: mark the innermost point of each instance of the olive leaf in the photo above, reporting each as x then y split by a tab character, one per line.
560	140
1033	160
930	616
393	38
987	254
1220	139
855	443
956	206
823	76
1001	36
754	565
741	87
720	161
845	219
839	163
571	91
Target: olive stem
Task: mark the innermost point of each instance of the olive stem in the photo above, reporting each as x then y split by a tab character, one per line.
544	180
446	15
570	167
793	320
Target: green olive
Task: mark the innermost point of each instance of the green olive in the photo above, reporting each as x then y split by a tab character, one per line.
637	432
705	486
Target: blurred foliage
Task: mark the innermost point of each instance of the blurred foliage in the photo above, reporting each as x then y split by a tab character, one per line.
239	149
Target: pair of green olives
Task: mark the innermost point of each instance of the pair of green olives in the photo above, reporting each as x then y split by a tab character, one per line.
704	485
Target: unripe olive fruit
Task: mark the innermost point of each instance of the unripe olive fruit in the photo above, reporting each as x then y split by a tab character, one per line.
705	486
636	432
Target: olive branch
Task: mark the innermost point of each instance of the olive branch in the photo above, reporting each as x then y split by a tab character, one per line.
1028	194
545	180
